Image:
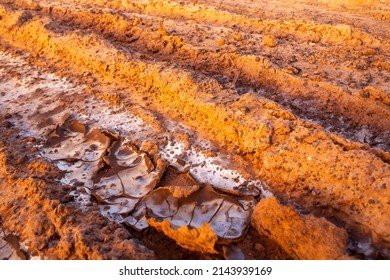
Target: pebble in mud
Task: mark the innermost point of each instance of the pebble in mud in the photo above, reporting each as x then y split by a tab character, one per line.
245	110
221	42
270	41
293	59
66	199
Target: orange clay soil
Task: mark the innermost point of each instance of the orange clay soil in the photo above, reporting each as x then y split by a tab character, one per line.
299	91
41	213
48	220
303	237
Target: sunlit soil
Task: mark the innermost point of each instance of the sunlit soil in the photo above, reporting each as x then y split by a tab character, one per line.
194	129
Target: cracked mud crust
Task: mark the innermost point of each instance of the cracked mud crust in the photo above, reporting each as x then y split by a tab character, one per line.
121	121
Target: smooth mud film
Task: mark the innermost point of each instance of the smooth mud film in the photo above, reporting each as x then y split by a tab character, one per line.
194	129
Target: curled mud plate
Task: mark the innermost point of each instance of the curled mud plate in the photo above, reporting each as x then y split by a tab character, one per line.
122	179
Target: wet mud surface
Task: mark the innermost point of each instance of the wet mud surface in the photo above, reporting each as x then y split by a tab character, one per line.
121	179
194	129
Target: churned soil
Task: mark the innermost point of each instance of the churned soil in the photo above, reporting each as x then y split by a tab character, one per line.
291	97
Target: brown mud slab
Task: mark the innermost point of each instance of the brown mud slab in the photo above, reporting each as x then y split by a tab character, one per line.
252	101
46	218
124	180
10	248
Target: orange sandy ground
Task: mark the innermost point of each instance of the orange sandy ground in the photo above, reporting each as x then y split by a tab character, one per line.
297	89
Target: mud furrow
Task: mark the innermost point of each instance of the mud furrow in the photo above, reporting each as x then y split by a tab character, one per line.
120	155
297	94
300	161
218	88
202	13
284	39
310	10
157	16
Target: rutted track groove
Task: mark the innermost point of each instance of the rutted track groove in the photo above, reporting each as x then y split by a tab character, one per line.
302	162
313	99
79	151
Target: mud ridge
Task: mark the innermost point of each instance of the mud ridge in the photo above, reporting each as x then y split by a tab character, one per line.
88	157
223	92
313	99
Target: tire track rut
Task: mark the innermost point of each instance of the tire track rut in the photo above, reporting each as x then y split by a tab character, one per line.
313	99
225	95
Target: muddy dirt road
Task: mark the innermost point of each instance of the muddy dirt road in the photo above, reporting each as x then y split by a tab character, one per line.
194	129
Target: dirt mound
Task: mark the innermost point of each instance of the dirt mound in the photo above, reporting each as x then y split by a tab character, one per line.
303	237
